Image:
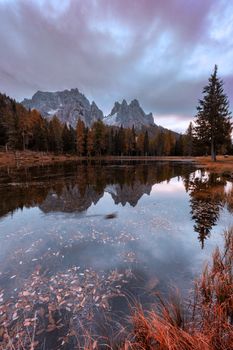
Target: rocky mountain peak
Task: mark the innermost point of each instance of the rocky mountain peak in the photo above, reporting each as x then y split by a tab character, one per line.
68	105
128	115
135	103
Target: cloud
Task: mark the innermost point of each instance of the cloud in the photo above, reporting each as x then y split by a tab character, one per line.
160	52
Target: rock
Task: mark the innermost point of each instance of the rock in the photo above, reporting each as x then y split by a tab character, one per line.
129	115
67	105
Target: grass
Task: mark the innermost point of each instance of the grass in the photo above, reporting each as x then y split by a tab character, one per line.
204	324
32	158
222	164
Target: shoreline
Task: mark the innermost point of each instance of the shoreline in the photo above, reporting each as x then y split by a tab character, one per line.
29	158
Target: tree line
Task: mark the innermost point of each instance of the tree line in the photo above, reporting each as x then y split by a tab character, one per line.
22	129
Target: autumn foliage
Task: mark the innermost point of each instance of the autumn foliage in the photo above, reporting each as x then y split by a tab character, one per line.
22	129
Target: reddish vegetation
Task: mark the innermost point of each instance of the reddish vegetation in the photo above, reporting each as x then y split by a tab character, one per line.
222	164
30	158
207	324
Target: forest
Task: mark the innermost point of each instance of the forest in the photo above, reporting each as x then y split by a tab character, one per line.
22	129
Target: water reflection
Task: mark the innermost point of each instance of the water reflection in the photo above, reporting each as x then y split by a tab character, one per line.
207	198
75	187
59	252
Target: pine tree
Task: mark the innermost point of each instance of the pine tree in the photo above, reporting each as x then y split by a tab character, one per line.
99	132
90	142
68	139
140	143
213	124
80	133
146	143
55	135
122	141
188	141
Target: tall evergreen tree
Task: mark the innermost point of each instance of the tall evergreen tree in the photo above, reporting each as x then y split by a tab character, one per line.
80	137
188	141
68	139
90	142
99	132
213	123
55	135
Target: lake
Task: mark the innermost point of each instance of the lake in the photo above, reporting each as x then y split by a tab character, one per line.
80	242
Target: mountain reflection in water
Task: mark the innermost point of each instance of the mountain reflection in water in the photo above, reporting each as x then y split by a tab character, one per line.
76	186
61	240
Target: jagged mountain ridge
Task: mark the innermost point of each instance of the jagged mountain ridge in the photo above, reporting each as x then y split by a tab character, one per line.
128	115
67	105
70	105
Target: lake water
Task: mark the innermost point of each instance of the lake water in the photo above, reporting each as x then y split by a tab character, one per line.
86	239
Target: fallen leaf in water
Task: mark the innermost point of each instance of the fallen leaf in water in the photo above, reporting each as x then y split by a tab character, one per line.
51	327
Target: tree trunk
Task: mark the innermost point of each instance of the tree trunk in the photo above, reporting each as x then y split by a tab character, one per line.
213	151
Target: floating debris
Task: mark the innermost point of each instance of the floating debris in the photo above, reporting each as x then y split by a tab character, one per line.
111	216
59	303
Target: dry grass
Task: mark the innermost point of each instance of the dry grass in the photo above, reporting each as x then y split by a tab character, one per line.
204	324
30	158
221	165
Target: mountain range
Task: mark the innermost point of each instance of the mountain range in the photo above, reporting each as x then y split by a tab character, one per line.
70	105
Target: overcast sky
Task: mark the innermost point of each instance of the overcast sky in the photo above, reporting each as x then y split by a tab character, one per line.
158	51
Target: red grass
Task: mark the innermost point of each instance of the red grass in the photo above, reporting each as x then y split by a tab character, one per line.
206	324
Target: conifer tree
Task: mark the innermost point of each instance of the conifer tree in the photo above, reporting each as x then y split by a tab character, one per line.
55	135
68	139
99	131
188	141
213	124
146	143
80	137
90	142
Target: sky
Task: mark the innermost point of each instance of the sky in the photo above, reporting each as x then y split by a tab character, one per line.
160	52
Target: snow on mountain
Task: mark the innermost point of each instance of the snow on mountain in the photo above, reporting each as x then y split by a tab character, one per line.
128	115
68	105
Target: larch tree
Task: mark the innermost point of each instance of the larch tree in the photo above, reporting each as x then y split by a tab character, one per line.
213	121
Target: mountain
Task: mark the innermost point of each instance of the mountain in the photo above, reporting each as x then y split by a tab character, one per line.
128	115
68	105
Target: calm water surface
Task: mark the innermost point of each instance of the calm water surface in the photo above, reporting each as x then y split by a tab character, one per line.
83	236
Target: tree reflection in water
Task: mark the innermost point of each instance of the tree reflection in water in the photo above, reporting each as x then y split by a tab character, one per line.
207	198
